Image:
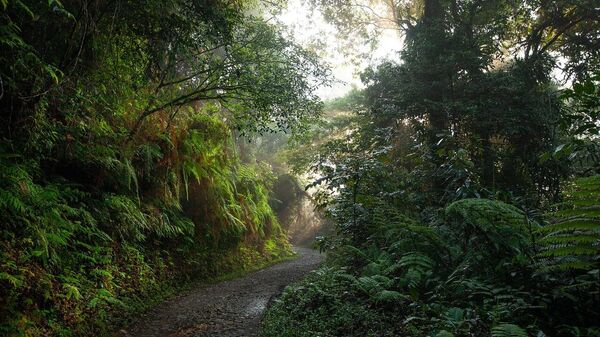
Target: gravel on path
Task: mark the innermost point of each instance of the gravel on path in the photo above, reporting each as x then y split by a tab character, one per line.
228	309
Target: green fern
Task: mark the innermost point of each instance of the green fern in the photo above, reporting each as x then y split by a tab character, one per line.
572	239
389	296
416	261
508	330
126	217
489	234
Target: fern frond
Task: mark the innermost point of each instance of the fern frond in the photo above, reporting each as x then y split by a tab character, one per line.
389	296
572	240
508	330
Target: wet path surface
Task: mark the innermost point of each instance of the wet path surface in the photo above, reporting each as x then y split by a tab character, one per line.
227	309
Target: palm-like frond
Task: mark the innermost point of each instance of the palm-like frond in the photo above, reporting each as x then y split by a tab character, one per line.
572	239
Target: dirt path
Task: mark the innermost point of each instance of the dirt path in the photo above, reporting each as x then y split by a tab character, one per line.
227	309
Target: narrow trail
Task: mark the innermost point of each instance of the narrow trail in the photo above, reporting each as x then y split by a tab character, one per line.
227	309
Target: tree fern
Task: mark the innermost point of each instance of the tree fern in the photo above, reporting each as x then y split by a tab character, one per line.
572	238
488	233
415	266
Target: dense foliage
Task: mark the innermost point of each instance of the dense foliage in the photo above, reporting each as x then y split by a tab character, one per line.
120	173
463	180
464	185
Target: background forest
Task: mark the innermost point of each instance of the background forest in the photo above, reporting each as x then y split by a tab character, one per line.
462	178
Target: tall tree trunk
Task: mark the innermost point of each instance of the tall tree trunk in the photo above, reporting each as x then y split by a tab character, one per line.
435	77
432	48
432	36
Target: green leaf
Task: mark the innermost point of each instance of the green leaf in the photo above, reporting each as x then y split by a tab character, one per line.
25	8
508	330
389	296
54	73
15	281
72	292
544	157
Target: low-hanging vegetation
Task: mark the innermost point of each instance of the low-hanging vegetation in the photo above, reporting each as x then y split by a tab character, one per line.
120	175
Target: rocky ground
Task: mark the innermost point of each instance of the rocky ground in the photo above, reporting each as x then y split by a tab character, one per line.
227	309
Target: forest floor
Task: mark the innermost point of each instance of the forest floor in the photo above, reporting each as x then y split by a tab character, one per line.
227	309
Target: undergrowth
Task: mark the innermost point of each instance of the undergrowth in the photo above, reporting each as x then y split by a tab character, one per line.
73	257
473	270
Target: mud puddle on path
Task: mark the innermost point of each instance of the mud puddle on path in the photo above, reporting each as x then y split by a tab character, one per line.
228	309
